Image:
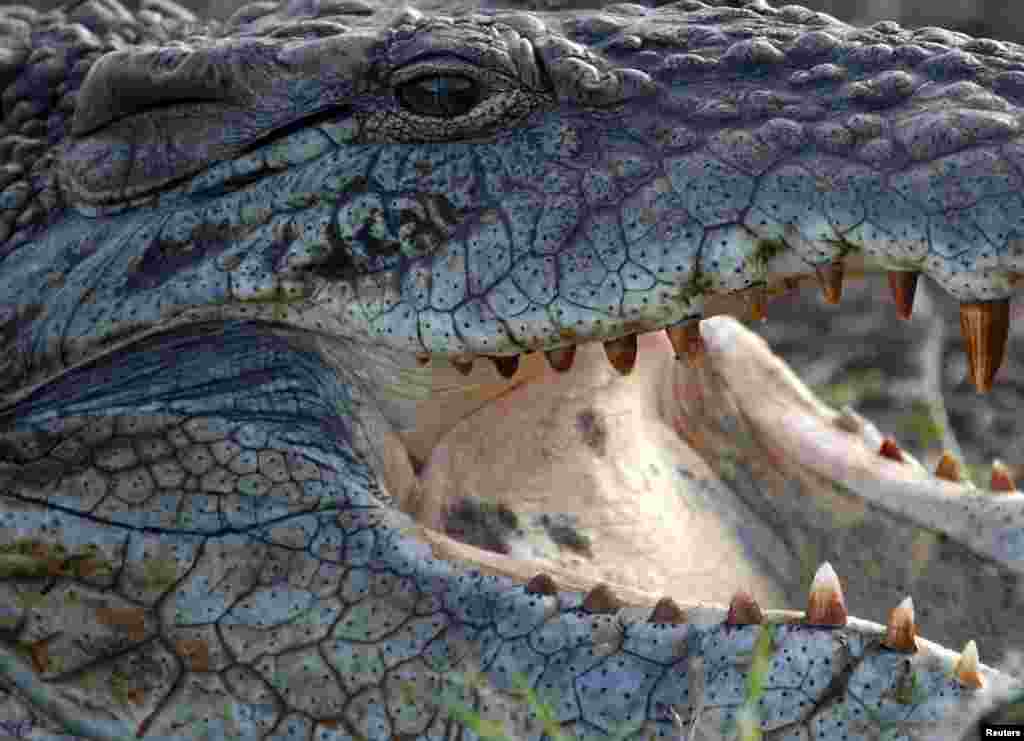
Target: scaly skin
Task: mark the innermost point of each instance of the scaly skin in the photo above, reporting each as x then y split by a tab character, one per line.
209	333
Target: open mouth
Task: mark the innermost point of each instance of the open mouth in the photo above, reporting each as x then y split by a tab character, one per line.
747	420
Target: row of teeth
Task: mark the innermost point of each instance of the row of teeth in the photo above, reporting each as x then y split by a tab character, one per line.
826	607
948	468
984	325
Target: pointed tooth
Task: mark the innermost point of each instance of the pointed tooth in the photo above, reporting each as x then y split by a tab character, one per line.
462	363
677	335
686	341
744	610
667	611
903	285
561	359
542	584
891	450
948	468
622	353
507	365
422	358
600	600
40	653
901	630
966	669
1002	480
826	605
985	325
830	278
758	300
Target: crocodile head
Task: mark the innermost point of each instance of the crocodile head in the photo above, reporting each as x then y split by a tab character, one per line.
375	190
507	182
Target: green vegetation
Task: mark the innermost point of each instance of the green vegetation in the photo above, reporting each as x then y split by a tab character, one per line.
860	385
746	726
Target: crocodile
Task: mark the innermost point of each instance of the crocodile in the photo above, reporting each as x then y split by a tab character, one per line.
241	260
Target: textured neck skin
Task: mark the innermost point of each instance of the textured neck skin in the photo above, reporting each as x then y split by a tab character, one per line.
204	229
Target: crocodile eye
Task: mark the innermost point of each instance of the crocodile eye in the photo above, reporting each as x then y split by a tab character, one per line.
439	96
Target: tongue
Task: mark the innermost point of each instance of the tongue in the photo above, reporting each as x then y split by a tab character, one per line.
603	486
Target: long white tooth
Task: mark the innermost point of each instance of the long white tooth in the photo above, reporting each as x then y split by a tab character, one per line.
901	630
826	605
985	326
966	669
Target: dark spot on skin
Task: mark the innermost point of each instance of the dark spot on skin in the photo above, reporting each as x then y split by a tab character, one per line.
425	229
444	209
348	258
593	431
1011	586
164	258
339	264
285	232
13	317
31	312
27	447
563	530
41	473
482	524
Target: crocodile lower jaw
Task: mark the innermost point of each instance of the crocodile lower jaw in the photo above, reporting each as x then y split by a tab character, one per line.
826	607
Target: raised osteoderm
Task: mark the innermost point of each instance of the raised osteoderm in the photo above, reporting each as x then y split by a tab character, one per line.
224	247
